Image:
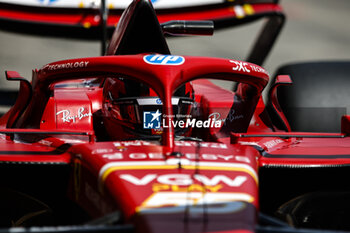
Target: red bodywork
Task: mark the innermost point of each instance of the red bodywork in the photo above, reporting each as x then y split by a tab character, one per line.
138	176
168	185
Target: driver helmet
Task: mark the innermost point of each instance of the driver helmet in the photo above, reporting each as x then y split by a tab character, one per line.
133	111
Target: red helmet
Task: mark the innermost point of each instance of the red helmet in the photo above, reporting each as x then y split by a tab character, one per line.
132	110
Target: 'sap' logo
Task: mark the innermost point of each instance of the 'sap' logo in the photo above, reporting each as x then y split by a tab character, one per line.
151	120
164	60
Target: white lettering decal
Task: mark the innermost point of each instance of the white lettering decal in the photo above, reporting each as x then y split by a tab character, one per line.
201	144
242	159
156	156
45	142
177	143
232	117
69	65
185	179
175	179
102	151
258	69
209	157
240	66
226	157
191	156
236	182
133	143
67	117
113	156
143	181
272	143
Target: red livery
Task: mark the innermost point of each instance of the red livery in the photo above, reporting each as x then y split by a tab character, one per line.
140	140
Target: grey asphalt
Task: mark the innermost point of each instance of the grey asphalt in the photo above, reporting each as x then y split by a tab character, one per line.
315	30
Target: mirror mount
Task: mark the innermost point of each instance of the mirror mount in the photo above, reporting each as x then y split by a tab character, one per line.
281	80
23	99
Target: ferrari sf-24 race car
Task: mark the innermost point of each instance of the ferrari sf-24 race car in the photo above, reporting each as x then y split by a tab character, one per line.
140	140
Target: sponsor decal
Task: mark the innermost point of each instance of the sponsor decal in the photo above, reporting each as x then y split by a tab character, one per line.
272	143
159	101
156	101
245	67
101	151
185	179
157	187
67	117
177	143
216	116
232	117
68	65
164	60
113	156
228	207
157	131
132	143
45	142
240	66
151	120
201	144
191	156
258	69
174	179
196	199
47	2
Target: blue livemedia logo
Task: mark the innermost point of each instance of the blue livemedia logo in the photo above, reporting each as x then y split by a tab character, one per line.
159	59
151	120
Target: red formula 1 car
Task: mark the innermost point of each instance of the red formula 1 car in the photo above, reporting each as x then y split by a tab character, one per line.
141	140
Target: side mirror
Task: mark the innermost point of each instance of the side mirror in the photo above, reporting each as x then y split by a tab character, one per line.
281	80
12	74
184	27
345	124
